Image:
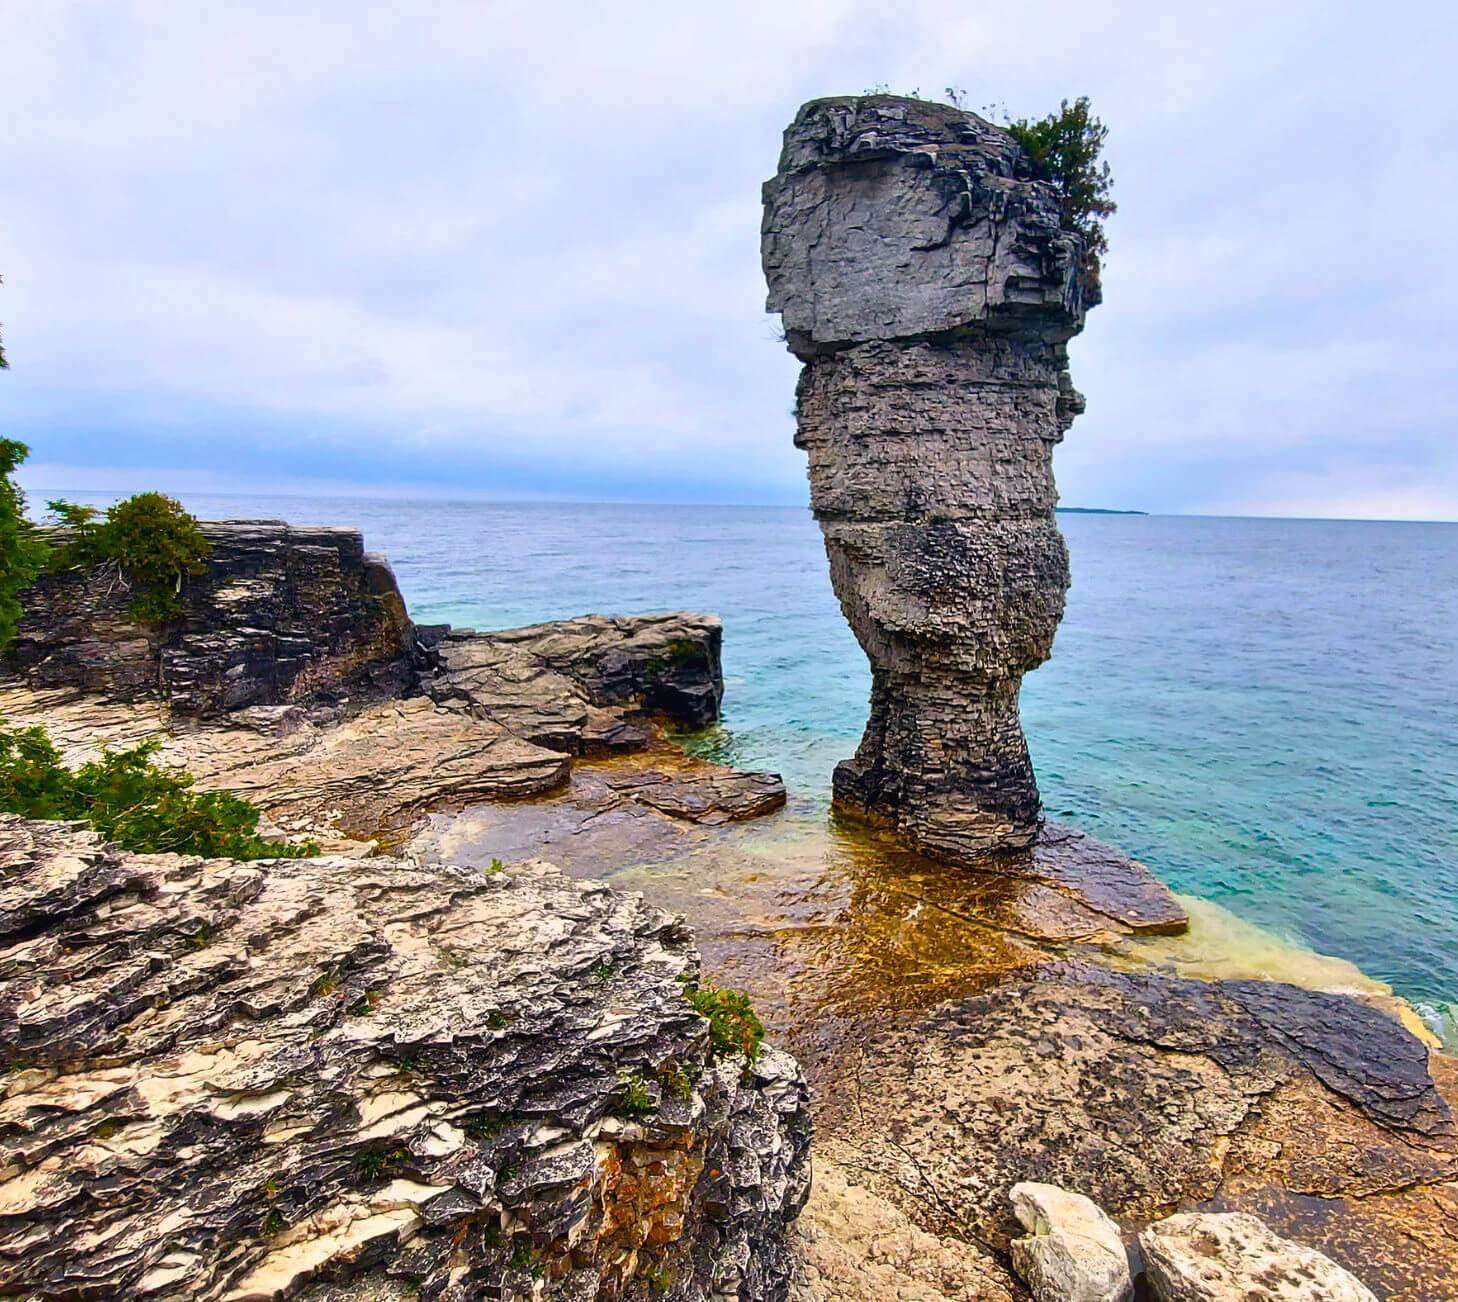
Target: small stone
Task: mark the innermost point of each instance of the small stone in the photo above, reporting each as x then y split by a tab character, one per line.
1212	1257
1073	1252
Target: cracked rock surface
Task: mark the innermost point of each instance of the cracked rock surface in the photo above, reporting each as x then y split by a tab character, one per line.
1317	1112
502	717
345	1078
281	613
925	281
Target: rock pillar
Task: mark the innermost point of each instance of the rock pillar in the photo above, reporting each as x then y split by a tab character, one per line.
926	282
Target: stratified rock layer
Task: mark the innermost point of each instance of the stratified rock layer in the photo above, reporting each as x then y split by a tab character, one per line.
928	286
281	613
341	1078
501	717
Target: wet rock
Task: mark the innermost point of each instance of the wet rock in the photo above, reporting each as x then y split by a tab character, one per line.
926	282
1101	878
341	1078
1213	1257
703	793
1148	1093
282	613
1072	1252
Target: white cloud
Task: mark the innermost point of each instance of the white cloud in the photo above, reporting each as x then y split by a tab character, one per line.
486	234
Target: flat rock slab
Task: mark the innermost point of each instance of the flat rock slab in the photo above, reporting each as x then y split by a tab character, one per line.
1105	879
710	795
1146	1093
364	776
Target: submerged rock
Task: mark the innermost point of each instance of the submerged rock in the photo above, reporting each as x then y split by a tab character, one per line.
929	288
1208	1257
281	613
354	1078
1072	1252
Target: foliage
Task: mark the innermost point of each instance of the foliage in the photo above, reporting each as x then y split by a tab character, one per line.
1064	148
733	1026
150	538
150	808
22	553
634	1099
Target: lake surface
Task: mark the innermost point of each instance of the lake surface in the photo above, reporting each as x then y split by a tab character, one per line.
1265	711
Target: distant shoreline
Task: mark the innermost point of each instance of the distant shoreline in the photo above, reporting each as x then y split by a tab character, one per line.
1095	510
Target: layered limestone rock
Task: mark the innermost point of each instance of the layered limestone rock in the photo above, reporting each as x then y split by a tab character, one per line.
565	685
336	1078
927	284
500	716
281	613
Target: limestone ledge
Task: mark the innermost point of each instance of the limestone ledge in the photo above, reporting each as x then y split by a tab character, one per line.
497	716
344	1078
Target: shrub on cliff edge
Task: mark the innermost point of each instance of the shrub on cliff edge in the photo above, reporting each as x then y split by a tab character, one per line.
150	808
150	539
1064	148
22	554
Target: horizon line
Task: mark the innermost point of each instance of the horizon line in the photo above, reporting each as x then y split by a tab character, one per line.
404	498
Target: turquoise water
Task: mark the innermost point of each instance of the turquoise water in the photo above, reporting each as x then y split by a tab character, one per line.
1263	710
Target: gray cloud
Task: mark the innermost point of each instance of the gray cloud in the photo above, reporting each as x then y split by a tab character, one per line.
508	248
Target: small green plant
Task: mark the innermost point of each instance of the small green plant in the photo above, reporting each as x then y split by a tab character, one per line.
150	539
601	972
273	1223
1064	148
202	938
150	808
327	985
733	1026
675	1080
496	1019
22	553
484	1125
660	1281
366	1004
496	866
375	1162
633	1098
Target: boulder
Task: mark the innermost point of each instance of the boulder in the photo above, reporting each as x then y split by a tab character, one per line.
1214	1256
1072	1252
567	684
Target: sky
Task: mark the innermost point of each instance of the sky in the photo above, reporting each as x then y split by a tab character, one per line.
511	249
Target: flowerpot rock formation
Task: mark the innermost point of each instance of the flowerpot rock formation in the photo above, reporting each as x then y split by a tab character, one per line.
926	282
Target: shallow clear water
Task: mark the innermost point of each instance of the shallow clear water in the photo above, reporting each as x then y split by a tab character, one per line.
1263	710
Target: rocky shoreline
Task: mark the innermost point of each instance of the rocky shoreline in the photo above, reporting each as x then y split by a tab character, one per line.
347	1022
445	1059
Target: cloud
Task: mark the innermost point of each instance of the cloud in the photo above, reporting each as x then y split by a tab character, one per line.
502	248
